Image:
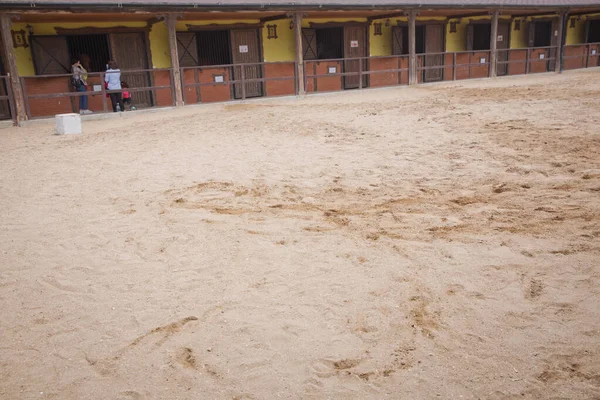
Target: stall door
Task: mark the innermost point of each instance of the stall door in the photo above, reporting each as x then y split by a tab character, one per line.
50	55
398	40
129	51
187	49
502	42
434	43
4	105
354	46
245	49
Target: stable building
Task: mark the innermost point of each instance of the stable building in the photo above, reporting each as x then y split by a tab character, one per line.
176	52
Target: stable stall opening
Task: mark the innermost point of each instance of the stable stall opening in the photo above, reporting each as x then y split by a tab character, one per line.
92	50
481	36
543	34
593	31
400	40
214	47
330	43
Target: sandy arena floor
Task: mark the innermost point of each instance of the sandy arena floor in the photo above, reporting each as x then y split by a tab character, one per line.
432	242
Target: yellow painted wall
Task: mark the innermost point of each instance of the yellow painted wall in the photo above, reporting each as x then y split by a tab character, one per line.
457	41
284	47
576	35
381	45
159	46
518	39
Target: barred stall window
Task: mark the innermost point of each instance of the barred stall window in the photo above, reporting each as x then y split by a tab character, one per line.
92	51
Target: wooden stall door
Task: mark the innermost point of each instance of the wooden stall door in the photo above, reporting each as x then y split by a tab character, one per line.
434	43
50	55
4	105
245	49
129	51
354	46
187	49
503	33
309	43
397	40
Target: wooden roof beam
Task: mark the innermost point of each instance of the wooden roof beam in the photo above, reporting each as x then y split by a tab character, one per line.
387	16
274	18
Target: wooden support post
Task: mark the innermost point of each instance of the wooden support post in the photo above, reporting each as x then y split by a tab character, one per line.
560	43
494	45
11	67
412	48
171	20
297	18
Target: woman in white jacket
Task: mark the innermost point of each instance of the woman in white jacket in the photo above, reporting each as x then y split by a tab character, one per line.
113	82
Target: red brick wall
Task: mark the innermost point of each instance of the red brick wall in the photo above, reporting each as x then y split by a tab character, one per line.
48	107
481	70
215	92
517	68
324	84
448	59
477	70
462	72
163	97
388	78
574	51
538	65
280	88
594	60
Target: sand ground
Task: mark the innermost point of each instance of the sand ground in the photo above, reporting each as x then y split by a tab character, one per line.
412	243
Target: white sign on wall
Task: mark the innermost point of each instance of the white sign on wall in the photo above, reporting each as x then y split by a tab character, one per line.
354	43
555	33
243	49
594	52
542	56
500	38
97	88
482	60
218	78
332	70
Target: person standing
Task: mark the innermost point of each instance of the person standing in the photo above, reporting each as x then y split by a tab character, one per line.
79	82
113	82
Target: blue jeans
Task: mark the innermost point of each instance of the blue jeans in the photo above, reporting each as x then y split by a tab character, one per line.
83	100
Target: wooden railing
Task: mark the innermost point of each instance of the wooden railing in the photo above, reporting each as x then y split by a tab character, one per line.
528	60
36	82
356	72
585	55
241	81
225	82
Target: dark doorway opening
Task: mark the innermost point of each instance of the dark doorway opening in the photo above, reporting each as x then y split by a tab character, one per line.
4	105
543	34
214	48
594	31
481	36
419	39
92	50
330	43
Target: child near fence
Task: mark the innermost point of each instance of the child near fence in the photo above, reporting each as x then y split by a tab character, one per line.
127	96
